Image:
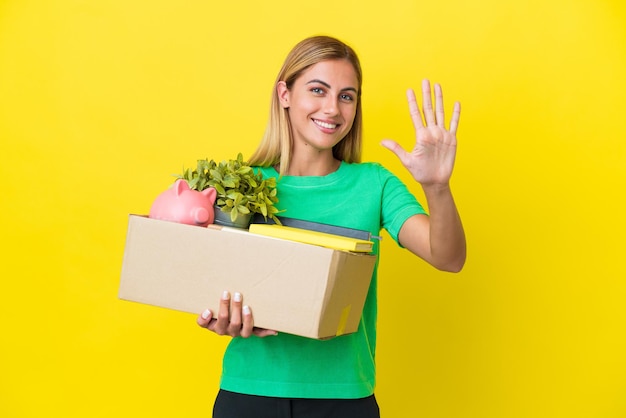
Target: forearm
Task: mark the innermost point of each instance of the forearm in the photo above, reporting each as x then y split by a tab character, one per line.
446	234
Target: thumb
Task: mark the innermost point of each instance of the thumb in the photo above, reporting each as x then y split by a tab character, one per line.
394	147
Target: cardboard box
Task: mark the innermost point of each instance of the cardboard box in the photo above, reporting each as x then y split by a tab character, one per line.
291	287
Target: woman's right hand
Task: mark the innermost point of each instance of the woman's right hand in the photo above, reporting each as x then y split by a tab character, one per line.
233	318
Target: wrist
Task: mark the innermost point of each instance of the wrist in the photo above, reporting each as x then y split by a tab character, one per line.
436	189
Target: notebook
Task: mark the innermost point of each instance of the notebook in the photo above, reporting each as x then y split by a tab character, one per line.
336	242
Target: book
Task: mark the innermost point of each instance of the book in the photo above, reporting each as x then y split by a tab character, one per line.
317	226
336	242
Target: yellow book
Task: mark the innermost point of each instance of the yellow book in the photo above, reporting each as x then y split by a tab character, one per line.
336	242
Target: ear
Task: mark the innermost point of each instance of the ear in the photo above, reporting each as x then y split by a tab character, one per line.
211	193
180	186
283	94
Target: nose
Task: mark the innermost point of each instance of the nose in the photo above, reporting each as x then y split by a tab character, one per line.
331	106
200	215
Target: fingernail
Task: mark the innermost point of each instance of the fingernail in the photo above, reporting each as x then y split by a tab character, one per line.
225	295
206	314
237	297
246	310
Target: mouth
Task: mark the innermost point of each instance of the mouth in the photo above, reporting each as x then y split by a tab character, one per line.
325	125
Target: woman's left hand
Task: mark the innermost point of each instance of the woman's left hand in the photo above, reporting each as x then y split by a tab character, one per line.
432	159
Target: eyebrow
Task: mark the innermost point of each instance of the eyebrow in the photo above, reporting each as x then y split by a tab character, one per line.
325	84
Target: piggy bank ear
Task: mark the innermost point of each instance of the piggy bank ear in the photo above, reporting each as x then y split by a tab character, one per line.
180	186
211	193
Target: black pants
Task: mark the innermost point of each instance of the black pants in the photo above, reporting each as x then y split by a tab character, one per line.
236	405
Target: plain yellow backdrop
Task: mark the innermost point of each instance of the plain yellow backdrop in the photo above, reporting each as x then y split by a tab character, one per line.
102	101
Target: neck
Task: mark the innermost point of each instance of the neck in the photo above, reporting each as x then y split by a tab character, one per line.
312	166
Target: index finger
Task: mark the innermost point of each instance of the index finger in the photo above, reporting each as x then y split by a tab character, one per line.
456	115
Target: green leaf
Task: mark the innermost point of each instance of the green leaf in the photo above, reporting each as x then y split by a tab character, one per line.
229	183
234	195
215	175
219	188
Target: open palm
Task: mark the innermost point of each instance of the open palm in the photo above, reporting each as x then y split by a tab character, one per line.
431	160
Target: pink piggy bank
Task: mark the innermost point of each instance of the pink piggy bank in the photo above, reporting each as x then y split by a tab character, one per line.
183	205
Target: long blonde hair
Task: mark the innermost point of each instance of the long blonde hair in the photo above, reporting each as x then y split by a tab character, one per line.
275	147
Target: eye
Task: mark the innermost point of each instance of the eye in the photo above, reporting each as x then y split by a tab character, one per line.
317	90
347	97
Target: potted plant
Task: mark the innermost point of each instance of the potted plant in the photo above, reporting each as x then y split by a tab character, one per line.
240	191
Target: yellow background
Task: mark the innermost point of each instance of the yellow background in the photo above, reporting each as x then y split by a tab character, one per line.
101	101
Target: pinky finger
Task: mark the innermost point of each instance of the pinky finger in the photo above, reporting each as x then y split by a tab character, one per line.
205	318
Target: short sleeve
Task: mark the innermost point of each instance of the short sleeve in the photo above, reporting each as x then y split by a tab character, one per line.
398	204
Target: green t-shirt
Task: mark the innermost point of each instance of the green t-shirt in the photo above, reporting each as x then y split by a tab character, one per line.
363	196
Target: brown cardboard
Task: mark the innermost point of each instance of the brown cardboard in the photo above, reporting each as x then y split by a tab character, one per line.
291	287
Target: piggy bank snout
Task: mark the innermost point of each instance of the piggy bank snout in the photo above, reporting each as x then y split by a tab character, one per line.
200	216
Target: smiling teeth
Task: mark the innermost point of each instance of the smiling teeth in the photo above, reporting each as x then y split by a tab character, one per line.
325	125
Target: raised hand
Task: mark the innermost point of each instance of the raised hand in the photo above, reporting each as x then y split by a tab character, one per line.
431	160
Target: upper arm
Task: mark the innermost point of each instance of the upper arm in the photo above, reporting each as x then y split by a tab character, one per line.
414	235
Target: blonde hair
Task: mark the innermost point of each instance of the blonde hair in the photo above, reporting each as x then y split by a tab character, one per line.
275	147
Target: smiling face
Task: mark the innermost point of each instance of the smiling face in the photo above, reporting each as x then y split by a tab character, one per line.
322	104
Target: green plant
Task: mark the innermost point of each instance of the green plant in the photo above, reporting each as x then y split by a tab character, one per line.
240	191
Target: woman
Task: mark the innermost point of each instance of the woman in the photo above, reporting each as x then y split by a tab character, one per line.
312	145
